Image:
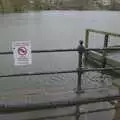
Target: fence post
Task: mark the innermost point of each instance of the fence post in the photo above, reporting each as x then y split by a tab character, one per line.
81	50
79	90
77	112
86	44
104	52
86	38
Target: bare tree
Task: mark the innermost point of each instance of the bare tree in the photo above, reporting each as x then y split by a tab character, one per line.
2	7
19	5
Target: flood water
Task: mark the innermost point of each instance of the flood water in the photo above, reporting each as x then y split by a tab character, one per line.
50	30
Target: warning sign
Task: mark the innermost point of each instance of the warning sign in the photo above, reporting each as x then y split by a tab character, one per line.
22	52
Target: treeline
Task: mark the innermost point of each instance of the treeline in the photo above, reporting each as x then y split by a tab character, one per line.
14	5
19	5
26	5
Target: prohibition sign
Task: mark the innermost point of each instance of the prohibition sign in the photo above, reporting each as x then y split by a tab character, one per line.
22	51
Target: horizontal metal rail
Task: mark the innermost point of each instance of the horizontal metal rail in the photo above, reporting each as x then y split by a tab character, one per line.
74	114
54	117
60	72
42	51
103	49
64	50
16	108
100	69
5	108
40	73
103	32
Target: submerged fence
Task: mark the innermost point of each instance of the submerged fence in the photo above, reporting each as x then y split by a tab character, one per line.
5	109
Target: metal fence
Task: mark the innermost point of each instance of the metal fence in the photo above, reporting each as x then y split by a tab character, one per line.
16	108
106	39
107	34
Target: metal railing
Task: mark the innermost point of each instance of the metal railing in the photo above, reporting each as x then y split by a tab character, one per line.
88	31
81	50
106	37
5	109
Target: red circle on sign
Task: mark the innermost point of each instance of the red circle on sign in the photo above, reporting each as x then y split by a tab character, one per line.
22	51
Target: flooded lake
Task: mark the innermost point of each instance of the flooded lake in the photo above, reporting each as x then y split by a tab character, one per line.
50	30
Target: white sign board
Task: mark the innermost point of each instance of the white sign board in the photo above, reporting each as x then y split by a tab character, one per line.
22	53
